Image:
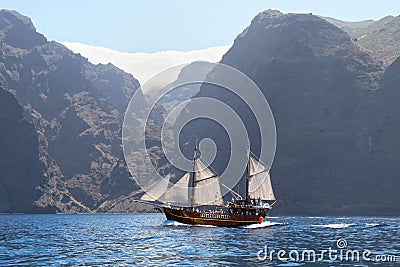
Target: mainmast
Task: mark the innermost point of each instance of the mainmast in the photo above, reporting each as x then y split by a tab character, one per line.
247	174
193	176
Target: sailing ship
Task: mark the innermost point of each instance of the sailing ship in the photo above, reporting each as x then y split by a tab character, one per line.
196	199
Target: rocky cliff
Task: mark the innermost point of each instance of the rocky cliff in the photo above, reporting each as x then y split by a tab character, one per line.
335	105
75	111
381	38
21	168
336	124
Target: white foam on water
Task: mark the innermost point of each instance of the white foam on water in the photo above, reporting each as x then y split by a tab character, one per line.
173	223
251	226
335	225
261	225
372	224
291	264
204	225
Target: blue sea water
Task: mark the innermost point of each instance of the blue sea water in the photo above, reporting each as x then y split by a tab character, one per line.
150	240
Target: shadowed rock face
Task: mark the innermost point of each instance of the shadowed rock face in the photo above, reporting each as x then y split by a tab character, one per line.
21	168
336	126
385	142
75	110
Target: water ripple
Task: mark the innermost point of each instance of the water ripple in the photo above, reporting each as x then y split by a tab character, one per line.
150	240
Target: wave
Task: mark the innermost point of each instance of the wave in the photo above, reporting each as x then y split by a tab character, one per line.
251	226
174	223
335	225
346	225
261	225
374	225
204	225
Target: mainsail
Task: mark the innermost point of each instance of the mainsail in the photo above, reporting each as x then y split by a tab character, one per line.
207	189
259	181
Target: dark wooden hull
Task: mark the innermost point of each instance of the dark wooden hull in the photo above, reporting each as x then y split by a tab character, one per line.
209	218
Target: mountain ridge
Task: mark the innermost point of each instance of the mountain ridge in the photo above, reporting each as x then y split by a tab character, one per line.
77	110
326	95
381	37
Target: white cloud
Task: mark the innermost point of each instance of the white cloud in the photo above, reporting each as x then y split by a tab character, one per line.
144	65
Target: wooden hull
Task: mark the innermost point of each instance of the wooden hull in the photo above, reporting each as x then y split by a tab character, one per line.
210	218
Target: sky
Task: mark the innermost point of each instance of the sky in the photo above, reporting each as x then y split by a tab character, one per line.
182	25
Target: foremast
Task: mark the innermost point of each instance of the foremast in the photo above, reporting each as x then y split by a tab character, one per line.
205	184
192	180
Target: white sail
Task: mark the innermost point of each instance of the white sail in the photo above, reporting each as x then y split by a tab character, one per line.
259	181
207	189
202	172
178	193
157	190
256	167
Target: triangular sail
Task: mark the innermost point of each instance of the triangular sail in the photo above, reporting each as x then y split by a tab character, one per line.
259	181
178	194
256	167
207	189
157	190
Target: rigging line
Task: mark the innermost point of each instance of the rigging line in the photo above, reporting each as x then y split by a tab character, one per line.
260	161
228	148
233	192
258	173
153	203
209	167
206	178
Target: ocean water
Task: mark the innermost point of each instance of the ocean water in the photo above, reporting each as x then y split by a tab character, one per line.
151	240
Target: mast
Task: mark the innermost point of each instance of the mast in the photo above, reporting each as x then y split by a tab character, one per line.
206	184
193	174
247	174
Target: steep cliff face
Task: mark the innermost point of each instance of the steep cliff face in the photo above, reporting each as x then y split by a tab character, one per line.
77	110
391	78
21	168
385	142
323	90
